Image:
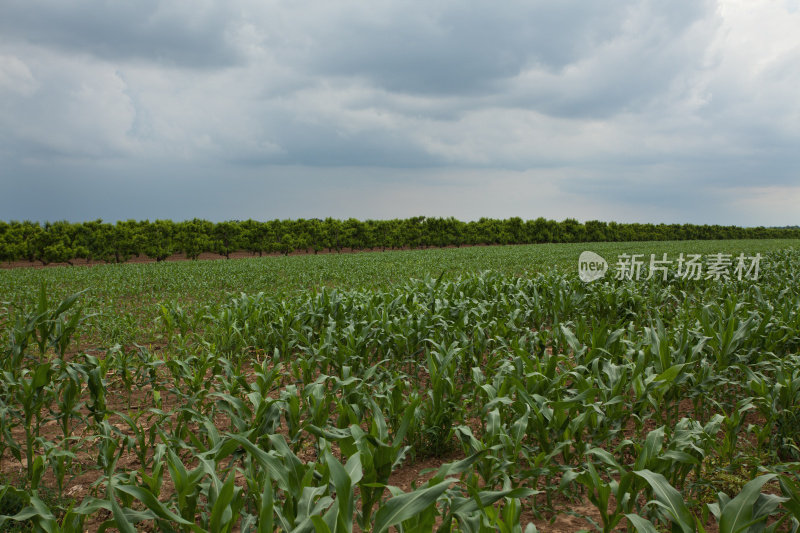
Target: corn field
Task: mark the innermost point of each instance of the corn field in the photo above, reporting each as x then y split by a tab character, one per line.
648	405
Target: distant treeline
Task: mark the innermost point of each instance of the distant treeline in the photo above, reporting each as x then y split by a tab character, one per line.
56	242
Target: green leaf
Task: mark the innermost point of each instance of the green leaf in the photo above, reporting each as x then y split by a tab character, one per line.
67	303
120	520
669	499
791	490
642	525
605	458
319	525
354	468
652	445
488	497
35	509
344	488
737	514
407	505
458	467
671	373
221	512
41	376
152	503
266	511
277	470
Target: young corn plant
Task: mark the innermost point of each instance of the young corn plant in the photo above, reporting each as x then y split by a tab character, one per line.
69	379
790	488
96	383
33	392
7	442
748	511
378	452
37	515
732	424
45	326
443	405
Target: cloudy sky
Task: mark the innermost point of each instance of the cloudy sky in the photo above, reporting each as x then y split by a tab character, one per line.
626	110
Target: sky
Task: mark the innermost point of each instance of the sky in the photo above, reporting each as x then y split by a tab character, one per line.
685	111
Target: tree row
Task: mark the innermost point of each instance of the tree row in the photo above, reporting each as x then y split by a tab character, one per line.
57	242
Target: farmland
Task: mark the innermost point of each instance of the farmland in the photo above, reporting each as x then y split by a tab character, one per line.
306	393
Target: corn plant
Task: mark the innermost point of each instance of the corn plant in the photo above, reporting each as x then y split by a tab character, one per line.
41	517
442	406
790	488
32	391
748	511
45	326
378	455
69	379
7	441
96	382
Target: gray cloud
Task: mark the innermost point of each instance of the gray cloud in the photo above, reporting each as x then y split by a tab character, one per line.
457	48
568	58
590	110
165	32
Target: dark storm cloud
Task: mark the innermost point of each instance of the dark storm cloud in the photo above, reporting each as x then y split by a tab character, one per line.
457	48
168	32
